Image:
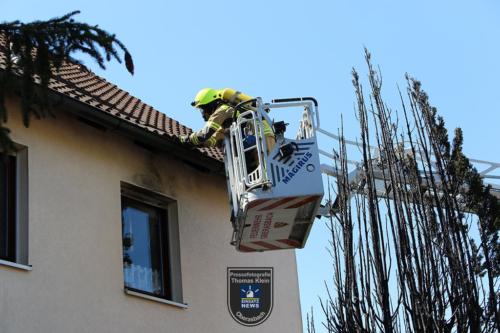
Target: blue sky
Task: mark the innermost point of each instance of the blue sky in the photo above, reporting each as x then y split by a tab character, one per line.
295	48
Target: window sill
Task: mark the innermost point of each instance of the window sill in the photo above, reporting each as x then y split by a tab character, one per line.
16	265
156	299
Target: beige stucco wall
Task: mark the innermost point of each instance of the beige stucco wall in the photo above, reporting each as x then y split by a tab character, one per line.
75	246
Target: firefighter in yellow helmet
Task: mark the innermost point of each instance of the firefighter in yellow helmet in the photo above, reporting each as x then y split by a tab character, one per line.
218	111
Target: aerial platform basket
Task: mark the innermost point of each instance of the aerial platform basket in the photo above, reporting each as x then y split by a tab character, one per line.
275	192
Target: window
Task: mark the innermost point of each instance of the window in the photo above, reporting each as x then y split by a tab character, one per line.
14	208
151	261
8	208
145	236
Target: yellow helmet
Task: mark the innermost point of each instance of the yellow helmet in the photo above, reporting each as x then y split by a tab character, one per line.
204	97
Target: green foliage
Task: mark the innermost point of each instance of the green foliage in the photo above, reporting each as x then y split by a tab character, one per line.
467	183
35	51
479	200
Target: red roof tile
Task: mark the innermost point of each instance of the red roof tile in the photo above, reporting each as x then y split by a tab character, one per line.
81	84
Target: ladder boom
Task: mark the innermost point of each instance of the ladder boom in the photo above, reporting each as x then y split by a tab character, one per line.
486	168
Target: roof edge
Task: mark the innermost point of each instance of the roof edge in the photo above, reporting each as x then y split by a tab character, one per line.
144	138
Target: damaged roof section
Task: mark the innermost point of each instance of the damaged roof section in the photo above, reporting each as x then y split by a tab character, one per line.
85	87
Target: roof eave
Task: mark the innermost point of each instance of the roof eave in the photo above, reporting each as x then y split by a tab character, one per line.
144	137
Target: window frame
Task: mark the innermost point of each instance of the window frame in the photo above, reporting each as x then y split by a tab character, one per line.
162	220
8	223
171	263
18	215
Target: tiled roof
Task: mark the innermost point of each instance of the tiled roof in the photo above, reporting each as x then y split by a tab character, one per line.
81	84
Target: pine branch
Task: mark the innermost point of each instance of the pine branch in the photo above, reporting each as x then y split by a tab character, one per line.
34	53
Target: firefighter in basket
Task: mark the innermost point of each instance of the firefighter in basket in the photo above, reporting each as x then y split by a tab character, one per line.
217	108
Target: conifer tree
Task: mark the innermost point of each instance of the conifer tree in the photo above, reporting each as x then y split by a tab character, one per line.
33	52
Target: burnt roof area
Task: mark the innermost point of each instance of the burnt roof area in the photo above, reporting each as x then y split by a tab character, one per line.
96	101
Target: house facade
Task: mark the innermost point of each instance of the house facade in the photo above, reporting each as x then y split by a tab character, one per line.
108	225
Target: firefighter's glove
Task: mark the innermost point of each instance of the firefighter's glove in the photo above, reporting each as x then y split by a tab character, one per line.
185	141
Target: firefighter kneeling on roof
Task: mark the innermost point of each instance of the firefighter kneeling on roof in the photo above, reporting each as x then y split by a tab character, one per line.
218	108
